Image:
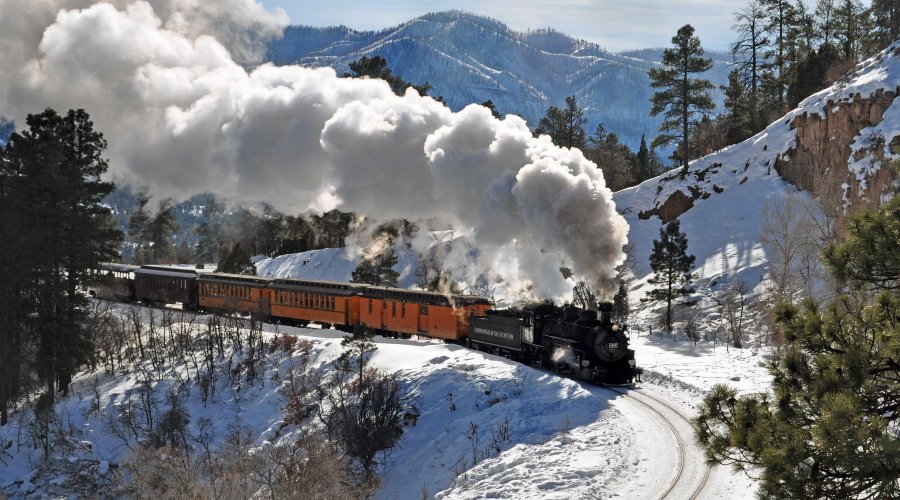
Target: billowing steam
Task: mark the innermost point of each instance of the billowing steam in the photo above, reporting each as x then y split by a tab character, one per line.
166	82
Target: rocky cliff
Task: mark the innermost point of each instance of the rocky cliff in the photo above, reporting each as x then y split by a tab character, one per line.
841	144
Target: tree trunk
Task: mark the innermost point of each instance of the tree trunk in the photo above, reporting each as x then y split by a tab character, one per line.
684	117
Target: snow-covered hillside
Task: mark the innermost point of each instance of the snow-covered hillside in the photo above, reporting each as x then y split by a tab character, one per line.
533	434
333	264
470	59
719	202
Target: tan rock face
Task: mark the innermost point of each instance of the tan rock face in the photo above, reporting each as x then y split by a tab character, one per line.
818	162
676	204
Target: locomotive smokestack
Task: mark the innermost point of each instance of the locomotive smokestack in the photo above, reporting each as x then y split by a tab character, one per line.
605	309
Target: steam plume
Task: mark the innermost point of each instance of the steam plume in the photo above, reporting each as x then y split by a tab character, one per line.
166	82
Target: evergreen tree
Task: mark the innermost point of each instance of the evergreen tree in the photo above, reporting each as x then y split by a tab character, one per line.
621	309
671	267
824	21
811	74
682	98
850	20
780	17
618	163
377	67
564	126
737	110
57	165
237	261
828	428
489	104
152	235
137	228
159	234
645	169
750	52
378	270
184	254
885	16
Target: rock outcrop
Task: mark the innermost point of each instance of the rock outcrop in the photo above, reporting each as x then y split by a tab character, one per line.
818	161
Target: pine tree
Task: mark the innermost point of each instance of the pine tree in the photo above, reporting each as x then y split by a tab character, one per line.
645	168
159	233
682	98
750	52
885	16
377	67
58	166
671	267
850	20
564	126
824	20
237	261
137	229
621	309
737	110
828	428
780	16
378	270
618	163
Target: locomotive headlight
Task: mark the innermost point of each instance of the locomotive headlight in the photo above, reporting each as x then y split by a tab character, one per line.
615	327
585	363
631	363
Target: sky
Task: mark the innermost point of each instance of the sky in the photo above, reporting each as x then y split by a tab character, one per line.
613	24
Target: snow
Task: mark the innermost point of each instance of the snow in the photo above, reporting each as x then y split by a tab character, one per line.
333	264
565	439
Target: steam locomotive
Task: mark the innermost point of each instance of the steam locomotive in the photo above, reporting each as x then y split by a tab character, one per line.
566	339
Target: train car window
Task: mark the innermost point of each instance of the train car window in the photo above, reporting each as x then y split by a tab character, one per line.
384	303
403	310
394	309
423	310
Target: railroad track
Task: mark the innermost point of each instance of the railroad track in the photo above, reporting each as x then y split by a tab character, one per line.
681	486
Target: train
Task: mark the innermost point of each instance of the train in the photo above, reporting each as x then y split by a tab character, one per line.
566	339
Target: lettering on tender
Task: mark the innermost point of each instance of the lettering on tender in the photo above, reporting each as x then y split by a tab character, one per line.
494	333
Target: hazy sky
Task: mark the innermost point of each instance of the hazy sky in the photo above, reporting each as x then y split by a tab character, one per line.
614	24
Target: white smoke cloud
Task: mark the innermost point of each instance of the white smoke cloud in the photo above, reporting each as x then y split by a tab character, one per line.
166	82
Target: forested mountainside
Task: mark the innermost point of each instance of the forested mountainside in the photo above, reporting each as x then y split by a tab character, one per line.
469	58
780	196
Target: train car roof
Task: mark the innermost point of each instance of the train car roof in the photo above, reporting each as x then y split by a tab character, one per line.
167	271
118	267
331	287
425	296
235	278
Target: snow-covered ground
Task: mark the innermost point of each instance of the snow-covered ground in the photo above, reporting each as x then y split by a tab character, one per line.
565	439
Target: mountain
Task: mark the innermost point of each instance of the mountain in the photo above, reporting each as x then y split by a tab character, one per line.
6	130
471	59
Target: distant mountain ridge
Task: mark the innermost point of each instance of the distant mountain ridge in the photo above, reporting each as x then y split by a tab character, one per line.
470	59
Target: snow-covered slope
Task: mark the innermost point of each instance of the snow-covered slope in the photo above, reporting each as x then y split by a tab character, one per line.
719	202
469	58
333	264
535	435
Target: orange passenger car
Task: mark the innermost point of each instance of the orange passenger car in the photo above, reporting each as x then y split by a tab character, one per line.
415	312
323	302
235	292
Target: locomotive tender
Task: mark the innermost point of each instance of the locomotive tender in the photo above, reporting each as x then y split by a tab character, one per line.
562	338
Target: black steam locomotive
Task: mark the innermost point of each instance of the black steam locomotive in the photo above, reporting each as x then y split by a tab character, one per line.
565	339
